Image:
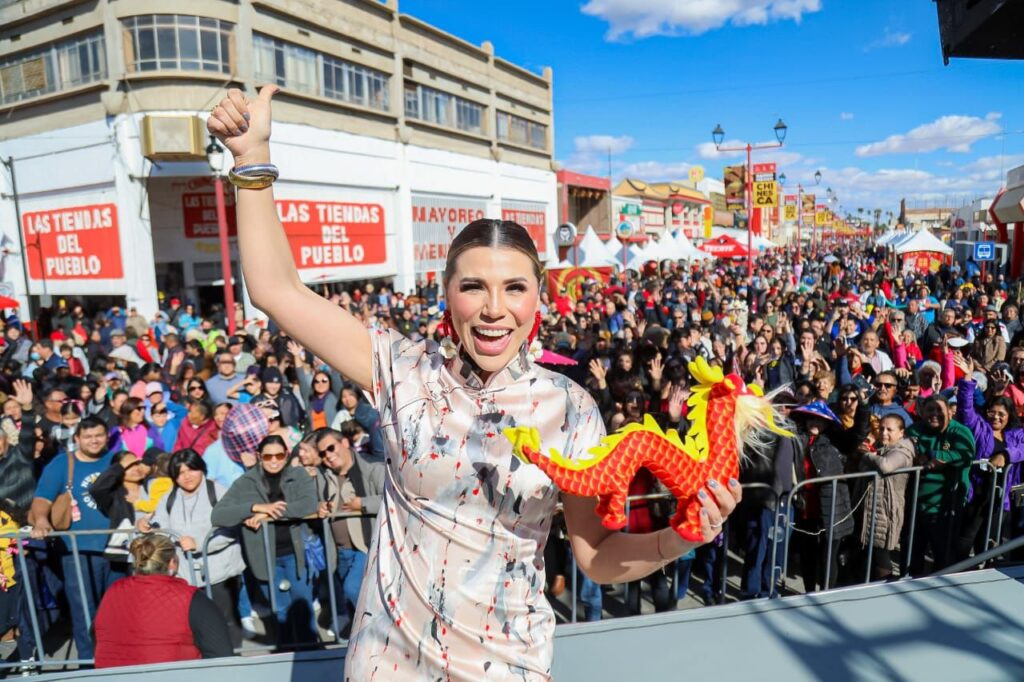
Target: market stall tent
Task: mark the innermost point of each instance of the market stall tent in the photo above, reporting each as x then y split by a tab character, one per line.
590	252
923	240
724	246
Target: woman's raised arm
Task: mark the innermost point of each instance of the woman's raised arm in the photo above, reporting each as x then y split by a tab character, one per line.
243	125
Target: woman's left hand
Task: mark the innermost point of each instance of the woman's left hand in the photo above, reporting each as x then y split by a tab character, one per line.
187	543
719	501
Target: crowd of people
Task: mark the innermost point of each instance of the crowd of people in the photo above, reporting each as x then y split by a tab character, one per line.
266	467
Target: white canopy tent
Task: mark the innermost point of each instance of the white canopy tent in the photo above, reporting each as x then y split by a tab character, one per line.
590	252
614	248
923	240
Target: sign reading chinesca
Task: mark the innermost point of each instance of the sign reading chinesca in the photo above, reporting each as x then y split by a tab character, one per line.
328	234
78	242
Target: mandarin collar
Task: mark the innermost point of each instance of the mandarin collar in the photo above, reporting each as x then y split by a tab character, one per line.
465	369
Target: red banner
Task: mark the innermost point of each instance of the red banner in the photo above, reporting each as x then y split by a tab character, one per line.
326	234
535	223
199	210
79	242
572	279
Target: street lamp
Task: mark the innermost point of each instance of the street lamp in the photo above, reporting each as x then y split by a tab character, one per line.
215	157
718	136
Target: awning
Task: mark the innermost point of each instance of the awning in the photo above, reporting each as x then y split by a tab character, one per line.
1010	206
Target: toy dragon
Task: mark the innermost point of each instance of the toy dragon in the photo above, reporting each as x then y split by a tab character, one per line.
725	416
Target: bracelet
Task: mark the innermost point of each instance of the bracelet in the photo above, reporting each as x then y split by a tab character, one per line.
253	176
250	183
255	170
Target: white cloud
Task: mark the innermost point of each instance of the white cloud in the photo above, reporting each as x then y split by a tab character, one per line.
952	133
656	171
602	144
889	38
645	18
845	116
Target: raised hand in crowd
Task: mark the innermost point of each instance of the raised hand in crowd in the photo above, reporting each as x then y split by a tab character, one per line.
23	393
599	373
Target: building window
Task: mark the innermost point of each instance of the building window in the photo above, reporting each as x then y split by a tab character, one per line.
518	130
299	68
434	106
178	42
58	67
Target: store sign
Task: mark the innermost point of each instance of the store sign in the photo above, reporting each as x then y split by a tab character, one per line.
630	209
532	216
78	242
696	174
435	222
624	230
328	234
763	172
199	212
789	212
766	195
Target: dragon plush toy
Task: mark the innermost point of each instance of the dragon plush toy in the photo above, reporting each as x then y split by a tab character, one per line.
726	416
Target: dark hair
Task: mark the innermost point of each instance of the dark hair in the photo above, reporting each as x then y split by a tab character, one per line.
1005	402
326	431
90	422
272	440
204	406
127	407
492	233
185	458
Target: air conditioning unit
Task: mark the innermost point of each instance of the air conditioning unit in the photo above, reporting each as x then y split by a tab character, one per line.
173	137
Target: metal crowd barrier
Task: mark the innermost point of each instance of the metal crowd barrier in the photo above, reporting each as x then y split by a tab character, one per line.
783	526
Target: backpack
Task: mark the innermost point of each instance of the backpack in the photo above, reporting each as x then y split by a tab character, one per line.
211	493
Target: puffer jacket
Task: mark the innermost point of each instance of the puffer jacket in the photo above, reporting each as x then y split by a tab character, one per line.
828	461
891	498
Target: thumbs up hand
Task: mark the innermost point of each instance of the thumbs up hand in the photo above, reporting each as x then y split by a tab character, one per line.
242	124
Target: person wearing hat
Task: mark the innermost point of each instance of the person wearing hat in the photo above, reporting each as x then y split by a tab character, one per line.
16	345
814	507
279	393
939	330
123	353
243	359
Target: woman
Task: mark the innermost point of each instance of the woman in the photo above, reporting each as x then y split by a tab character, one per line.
273	491
276	391
133	433
437	400
186	512
154	617
199	429
897	452
321	401
851	433
194	387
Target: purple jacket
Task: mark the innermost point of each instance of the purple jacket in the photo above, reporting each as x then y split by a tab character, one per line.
985	441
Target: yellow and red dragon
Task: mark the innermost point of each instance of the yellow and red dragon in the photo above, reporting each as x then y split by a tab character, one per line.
725	416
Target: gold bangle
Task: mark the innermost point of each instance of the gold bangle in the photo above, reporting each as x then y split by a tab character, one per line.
258	182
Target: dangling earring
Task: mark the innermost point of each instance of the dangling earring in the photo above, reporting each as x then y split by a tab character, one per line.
449	337
535	349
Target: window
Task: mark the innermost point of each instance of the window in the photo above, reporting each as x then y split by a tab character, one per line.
300	68
178	42
434	106
58	67
518	130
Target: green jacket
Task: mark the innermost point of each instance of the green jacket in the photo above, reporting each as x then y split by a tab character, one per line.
236	506
944	488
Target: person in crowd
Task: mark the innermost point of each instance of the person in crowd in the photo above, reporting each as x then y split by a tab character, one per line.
199	429
885	400
133	433
826	514
945	448
283	496
885	497
87	573
153	616
275	393
227	376
186	512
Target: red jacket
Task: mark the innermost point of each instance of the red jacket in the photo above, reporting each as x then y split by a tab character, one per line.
144	619
196	437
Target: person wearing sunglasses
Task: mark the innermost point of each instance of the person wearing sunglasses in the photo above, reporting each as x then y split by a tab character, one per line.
277	389
133	433
283	495
886	398
317	388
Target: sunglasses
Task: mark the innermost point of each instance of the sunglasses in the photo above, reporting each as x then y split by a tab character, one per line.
322	380
329	448
159	411
278	456
885	385
138	409
195	388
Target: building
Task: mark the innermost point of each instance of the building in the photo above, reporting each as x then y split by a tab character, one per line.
668	206
585	201
390	135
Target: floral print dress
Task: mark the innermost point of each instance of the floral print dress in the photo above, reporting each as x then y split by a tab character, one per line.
454	583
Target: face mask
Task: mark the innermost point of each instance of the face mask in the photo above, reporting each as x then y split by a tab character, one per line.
34	356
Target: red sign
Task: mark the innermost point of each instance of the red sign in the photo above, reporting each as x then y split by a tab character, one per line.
763	168
79	242
573	279
200	214
325	234
724	247
535	223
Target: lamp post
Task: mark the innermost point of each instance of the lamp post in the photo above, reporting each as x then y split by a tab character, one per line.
215	156
718	135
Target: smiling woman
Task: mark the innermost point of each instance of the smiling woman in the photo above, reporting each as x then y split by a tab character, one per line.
455	573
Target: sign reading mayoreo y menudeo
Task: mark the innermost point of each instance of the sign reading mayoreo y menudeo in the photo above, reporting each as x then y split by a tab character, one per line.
324	234
77	242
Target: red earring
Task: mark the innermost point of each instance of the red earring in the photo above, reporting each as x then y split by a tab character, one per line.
447	329
536	328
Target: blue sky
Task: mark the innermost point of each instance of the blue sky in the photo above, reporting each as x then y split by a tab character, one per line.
860	83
